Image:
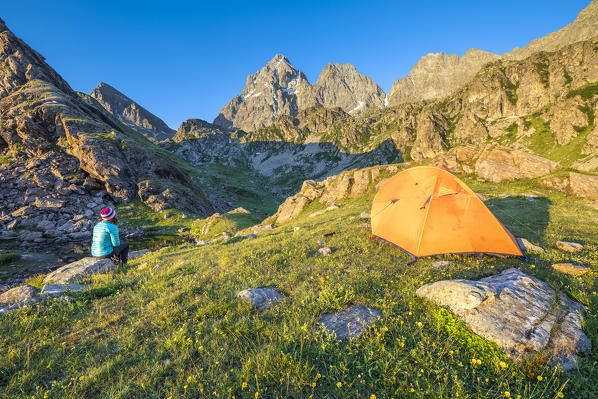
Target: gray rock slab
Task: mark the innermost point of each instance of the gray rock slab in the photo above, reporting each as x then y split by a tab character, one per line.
138	254
265	227
350	322
78	270
18	294
521	314
569	246
440	263
59	289
571	269
261	298
325	251
527	246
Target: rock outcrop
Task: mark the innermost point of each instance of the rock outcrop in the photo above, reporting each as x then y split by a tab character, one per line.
65	157
521	314
581	185
347	184
131	113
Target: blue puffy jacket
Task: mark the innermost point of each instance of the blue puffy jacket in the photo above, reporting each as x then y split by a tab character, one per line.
105	239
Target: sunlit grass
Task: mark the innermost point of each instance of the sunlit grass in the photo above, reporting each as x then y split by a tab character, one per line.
168	324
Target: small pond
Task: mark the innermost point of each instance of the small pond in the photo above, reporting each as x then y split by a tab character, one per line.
31	263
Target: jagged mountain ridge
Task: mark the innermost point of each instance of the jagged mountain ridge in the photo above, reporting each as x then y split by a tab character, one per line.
529	104
131	113
281	89
434	76
438	75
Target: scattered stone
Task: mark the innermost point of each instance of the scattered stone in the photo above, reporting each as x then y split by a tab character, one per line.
261	298
19	294
31	236
317	213
592	204
350	322
365	225
569	246
138	254
265	227
325	251
571	269
520	313
296	228
365	215
527	246
332	207
250	236
59	289
156	267
76	271
440	263
200	243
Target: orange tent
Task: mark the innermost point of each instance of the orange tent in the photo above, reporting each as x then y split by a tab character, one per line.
428	211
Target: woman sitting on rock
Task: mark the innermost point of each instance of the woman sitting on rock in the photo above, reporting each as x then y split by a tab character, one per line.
105	242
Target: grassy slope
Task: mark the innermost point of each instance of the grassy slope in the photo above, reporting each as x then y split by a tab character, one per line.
177	330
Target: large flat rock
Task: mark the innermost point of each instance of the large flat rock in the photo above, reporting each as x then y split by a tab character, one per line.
59	289
19	294
78	270
261	298
522	314
350	322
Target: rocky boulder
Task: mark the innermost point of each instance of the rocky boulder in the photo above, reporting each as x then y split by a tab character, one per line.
19	294
260	298
349	323
78	270
500	164
521	314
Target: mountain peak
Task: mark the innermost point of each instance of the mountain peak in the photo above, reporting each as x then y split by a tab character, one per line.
131	113
277	60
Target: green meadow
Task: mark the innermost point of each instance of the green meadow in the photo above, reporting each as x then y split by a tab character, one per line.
168	325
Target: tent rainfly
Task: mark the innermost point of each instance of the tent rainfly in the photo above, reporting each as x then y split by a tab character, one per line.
428	211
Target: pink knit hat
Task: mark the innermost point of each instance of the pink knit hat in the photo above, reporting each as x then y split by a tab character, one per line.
107	213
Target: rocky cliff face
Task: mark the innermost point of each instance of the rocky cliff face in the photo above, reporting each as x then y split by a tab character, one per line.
584	27
280	89
438	75
62	156
131	113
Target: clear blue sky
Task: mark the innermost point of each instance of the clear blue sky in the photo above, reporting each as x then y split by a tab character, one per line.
187	59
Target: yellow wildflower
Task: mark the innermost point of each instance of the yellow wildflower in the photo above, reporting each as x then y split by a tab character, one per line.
419	324
244	385
540	378
81	378
560	395
256	395
313	384
502	365
372	396
507	394
412	390
339	384
318	375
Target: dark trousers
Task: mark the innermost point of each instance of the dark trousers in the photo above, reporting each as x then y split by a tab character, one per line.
120	254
